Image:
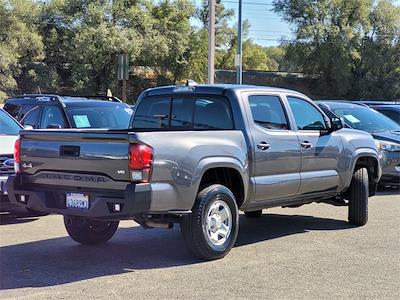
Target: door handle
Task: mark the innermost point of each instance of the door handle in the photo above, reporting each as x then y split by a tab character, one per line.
263	146
306	144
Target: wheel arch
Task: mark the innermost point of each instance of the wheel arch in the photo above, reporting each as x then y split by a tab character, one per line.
226	171
370	160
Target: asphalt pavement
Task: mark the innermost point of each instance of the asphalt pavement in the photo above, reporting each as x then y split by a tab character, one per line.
308	252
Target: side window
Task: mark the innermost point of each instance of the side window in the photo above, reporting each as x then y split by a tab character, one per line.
31	117
268	112
212	113
153	112
12	109
52	115
306	115
23	111
395	116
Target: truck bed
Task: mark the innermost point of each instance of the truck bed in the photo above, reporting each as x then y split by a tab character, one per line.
96	163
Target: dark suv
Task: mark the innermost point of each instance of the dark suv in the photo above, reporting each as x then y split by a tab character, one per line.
54	111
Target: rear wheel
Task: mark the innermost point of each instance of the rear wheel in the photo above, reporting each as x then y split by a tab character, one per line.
253	214
90	232
358	198
211	230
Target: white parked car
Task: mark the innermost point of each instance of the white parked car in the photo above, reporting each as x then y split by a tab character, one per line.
9	131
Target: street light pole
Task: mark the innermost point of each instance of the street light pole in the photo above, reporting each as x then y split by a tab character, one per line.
211	41
239	65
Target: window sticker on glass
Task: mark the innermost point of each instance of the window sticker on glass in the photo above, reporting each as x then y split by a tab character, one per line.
351	118
81	121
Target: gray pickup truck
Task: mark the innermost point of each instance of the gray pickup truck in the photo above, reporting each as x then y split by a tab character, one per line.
196	155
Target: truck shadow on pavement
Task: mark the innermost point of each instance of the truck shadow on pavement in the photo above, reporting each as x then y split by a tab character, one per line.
60	260
9	217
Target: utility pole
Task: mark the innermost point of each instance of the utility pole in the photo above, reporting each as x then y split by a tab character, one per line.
211	41
123	72
124	78
238	58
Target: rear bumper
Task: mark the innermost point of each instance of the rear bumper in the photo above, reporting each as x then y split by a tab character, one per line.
135	199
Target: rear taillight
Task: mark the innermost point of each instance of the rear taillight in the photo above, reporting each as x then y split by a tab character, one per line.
140	162
17	152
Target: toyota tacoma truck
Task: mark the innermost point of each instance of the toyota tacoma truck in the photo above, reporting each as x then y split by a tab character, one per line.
195	155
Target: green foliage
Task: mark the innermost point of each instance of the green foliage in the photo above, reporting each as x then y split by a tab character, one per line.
20	43
350	46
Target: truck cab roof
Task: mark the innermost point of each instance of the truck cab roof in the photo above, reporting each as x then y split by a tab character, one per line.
214	89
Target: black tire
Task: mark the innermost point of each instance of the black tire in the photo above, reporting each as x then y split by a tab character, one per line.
90	232
253	214
194	226
358	198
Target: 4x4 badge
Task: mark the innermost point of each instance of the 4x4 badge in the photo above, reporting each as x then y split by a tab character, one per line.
27	166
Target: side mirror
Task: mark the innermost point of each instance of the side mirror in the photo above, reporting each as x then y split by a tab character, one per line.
53	126
28	127
337	124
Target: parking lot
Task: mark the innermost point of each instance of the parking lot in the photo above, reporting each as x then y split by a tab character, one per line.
308	252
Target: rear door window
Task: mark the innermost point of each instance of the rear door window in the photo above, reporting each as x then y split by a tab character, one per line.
268	112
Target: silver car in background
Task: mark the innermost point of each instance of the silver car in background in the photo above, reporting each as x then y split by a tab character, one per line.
9	131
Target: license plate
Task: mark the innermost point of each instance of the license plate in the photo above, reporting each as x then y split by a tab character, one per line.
77	200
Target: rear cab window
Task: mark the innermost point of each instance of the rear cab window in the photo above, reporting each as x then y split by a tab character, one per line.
183	112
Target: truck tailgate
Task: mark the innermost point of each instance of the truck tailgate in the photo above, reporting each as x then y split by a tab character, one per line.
47	154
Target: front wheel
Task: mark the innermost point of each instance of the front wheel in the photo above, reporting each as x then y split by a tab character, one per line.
358	198
211	230
90	232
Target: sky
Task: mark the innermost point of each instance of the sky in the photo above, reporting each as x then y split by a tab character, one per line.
267	28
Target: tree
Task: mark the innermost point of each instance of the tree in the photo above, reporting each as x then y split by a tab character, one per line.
380	69
333	39
83	37
20	43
